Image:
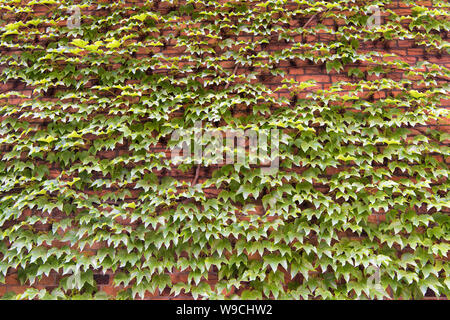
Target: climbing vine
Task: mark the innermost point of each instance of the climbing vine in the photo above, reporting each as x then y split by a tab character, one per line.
89	103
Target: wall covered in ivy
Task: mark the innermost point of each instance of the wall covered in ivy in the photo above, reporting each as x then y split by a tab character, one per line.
95	97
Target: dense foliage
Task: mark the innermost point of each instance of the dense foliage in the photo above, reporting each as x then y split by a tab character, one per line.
88	185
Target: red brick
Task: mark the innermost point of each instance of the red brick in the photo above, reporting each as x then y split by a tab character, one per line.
11	279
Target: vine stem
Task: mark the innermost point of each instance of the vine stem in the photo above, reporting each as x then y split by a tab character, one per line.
309	21
197	173
234	72
312	17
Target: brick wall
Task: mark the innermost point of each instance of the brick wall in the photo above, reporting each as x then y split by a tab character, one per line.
297	69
